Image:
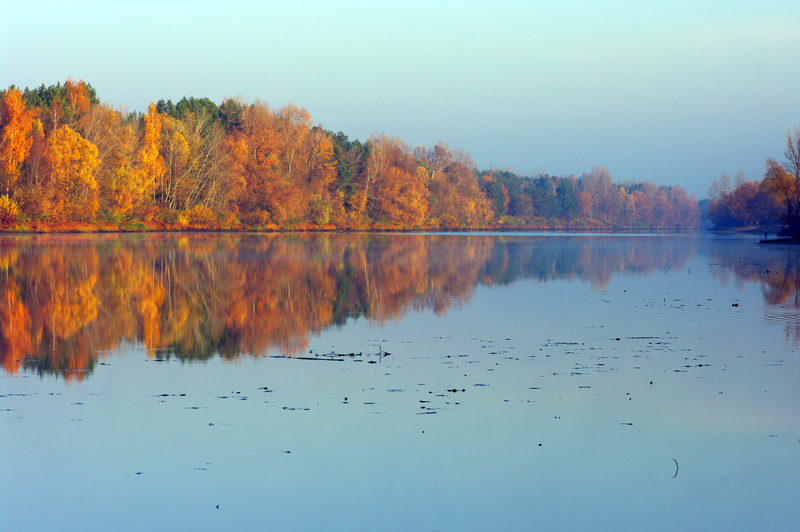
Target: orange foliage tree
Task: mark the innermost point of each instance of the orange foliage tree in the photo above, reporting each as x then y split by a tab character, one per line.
455	194
15	327
15	136
258	157
396	191
77	105
782	185
32	189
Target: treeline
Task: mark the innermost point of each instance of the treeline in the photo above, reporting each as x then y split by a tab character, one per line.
66	158
592	200
773	201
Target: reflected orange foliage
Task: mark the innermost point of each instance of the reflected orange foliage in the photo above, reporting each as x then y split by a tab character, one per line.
779	279
65	299
15	323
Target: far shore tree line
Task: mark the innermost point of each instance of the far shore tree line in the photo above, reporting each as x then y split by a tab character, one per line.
771	203
66	159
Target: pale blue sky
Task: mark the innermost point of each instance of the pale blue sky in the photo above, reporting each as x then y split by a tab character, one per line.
676	92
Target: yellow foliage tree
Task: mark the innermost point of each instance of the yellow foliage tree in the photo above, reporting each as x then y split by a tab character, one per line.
73	188
173	186
116	142
150	165
9	210
325	204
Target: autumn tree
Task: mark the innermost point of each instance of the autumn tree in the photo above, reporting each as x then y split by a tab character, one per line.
626	208
173	186
600	185
16	120
77	104
456	197
683	211
149	164
289	166
36	170
749	203
782	185
394	187
73	188
213	184
319	176
644	195
255	140
119	182
292	127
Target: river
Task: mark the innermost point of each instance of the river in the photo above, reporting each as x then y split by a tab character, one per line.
398	382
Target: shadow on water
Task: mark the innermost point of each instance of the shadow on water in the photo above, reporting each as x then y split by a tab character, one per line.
66	301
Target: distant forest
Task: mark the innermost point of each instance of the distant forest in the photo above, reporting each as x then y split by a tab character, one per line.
772	202
68	161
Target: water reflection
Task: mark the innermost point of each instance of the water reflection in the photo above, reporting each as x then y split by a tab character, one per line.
775	268
69	300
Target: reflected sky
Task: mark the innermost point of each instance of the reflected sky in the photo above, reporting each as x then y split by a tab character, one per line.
533	382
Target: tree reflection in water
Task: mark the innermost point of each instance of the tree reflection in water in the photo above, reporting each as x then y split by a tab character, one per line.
776	268
68	300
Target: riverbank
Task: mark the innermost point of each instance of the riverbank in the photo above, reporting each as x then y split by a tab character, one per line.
793	240
161	227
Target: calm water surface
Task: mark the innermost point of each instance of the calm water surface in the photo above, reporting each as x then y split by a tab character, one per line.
398	382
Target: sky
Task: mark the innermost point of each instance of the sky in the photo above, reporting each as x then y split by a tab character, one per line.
674	92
